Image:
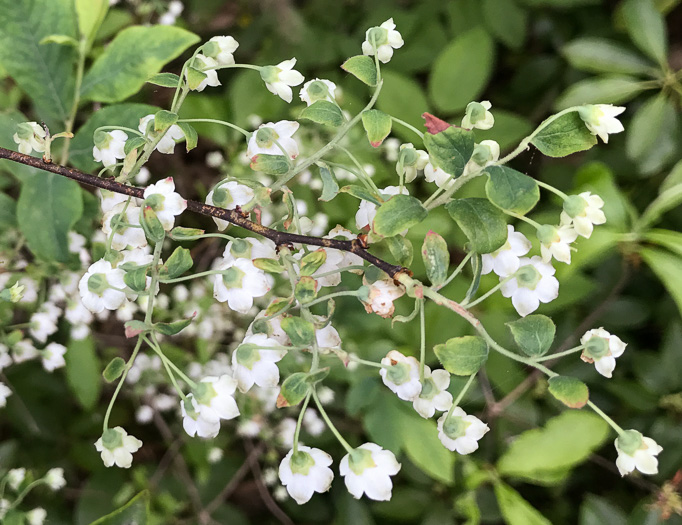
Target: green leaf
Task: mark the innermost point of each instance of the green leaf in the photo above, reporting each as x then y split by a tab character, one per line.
515	509
666	201
8	212
300	331
293	391
133	328
377	124
363	68
306	289
668	268
462	356
169	80
564	442
173	328
451	149
268	265
191	136
570	391
534	334
644	129
270	164
401	249
135	511
599	55
323	112
567	134
436	258
510	190
462	70
422	446
152	227
164	119
615	89
134	143
311	263
178	263
195	77
402	98
330	186
506	20
136	279
127	62
91	14
44	72
277	305
646	27
668	239
114	369
179	233
62	40
48	206
360	193
397	214
83	372
483	224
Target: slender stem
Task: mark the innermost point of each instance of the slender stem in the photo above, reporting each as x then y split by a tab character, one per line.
559	354
489	292
459	397
522	218
356	359
422	340
299	422
169	371
365	175
331	426
193	276
208	236
155	344
353	293
247	134
456	185
408	126
456	272
339	270
25	492
232	66
127	368
606	418
552	189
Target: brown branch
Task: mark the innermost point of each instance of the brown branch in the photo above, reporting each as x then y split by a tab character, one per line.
233	216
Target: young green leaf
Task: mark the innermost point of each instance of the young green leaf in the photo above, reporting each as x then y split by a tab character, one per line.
293	391
510	190
567	134
114	369
191	136
164	119
483	224
360	193
306	289
398	214
436	258
646	27
330	186
311	262
180	233
270	164
90	14
377	124
323	112
401	249
462	356
169	80
534	334
570	391
173	328
363	68
136	279
599	55
300	331
268	265
451	149
178	263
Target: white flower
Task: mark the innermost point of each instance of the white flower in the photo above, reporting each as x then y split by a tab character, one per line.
226	46
437	175
384	38
477	116
602	348
327	337
36	516
53	356
239	283
401	375
109	146
253	362
42	325
30	136
410	160
306	472
348	258
636	451
381	296
125	235
533	283
165	202
279	79
505	260
263	140
117	447
487	152
555	242
23	351
365	214
583	212
167	143
460	432
109	200
434	395
317	89
5	358
229	195
102	287
15	477
206	65
601	119
210	401
55	478
368	470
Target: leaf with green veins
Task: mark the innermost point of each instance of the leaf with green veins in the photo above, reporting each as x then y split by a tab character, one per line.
462	356
91	14
484	225
511	190
377	125
566	135
451	149
569	390
323	112
397	214
436	258
534	334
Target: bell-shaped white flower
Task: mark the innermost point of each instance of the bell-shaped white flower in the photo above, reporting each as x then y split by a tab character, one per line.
636	451
487	152
211	400
36	516
55	478
30	136
318	89
602	348
165	202
109	146
117	447
42	325
125	235
221	48
556	242
348	258
279	79
434	395
265	140
53	357
384	39
381	296
401	375
437	175
229	195
532	284
102	287
583	212
601	119
239	283
505	260
460	432
167	143
250	248
5	392
368	470
368	210
305	472
326	337
15	477
207	66
253	362
24	351
478	116
411	160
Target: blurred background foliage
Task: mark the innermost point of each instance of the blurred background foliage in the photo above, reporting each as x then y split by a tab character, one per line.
539	464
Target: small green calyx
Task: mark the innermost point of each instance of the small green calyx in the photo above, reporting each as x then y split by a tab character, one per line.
597	347
482	154
574	206
248	355
377	36
241	248
210	49
155	201
359	460
270	74
189	408
222	198
429	389
408	157
630	441
204	392
232	277
265	137
102	139
318	91
112	439
476	112
528	277
97	283
547	234
398	373
455	427
301	462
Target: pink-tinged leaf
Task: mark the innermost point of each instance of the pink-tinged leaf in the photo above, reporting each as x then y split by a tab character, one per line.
433	124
